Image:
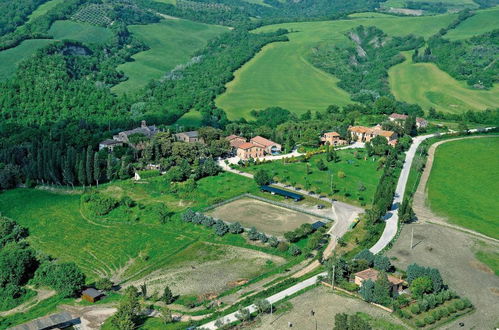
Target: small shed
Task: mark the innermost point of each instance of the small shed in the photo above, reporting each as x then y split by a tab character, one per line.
91	295
281	192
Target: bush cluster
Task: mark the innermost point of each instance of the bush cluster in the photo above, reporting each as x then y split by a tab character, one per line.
99	204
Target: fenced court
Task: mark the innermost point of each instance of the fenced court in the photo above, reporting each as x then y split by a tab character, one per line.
267	217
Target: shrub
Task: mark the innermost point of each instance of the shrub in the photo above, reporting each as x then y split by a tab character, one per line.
66	278
100	205
221	228
236	228
283	246
341	175
435	314
149	174
253	234
446	295
445	312
415	309
349	286
459	305
423	305
127	201
294	250
104	284
263	238
467	303
208	221
273	241
420	323
451	309
188	215
429	319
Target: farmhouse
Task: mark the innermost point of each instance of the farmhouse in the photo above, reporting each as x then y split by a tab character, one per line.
333	139
235	141
91	295
270	147
188	137
372	274
123	137
249	150
366	134
110	144
398	118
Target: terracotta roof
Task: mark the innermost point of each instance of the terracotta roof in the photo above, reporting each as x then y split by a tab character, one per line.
372	274
358	129
420	120
248	145
232	137
398	116
384	133
332	133
263	141
236	143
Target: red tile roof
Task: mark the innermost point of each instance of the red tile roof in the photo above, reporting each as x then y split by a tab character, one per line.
263	141
248	145
372	274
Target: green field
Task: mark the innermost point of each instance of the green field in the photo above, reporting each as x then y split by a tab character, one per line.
82	32
463	184
103	246
43	9
454	3
189	119
10	58
281	76
358	171
482	22
171	42
425	84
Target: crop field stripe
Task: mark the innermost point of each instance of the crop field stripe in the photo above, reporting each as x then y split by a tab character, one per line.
10	58
82	32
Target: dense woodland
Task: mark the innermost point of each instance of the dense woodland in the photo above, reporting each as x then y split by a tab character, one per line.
15	13
363	66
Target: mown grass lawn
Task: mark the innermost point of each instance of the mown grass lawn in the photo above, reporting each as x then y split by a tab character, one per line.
171	42
61	228
464	182
360	170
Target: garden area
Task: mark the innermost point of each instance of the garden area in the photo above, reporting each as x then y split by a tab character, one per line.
347	175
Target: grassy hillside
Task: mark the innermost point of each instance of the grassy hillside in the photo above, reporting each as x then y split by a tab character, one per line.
43	9
10	58
454	3
80	32
171	42
280	75
482	22
463	184
105	246
425	84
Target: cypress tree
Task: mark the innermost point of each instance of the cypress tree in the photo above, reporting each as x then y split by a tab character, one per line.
89	165
109	168
81	170
97	170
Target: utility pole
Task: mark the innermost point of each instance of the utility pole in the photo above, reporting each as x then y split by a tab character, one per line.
332	281
412	236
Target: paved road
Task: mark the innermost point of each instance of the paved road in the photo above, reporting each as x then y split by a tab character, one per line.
272	299
392	216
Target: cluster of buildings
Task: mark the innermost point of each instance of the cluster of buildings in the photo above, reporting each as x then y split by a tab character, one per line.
256	147
123	137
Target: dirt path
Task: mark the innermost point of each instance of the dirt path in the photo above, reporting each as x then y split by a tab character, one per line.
423	212
41	294
92	317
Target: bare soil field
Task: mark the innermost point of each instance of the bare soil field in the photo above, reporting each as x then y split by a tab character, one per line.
452	252
326	305
268	218
213	276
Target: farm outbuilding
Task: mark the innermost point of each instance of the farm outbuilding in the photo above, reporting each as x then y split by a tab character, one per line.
281	192
91	295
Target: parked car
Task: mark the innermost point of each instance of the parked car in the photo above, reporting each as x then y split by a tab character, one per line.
320	206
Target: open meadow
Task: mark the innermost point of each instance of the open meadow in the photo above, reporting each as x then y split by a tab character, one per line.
463	184
171	42
482	22
43	9
361	175
82	32
268	218
129	244
428	86
280	74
